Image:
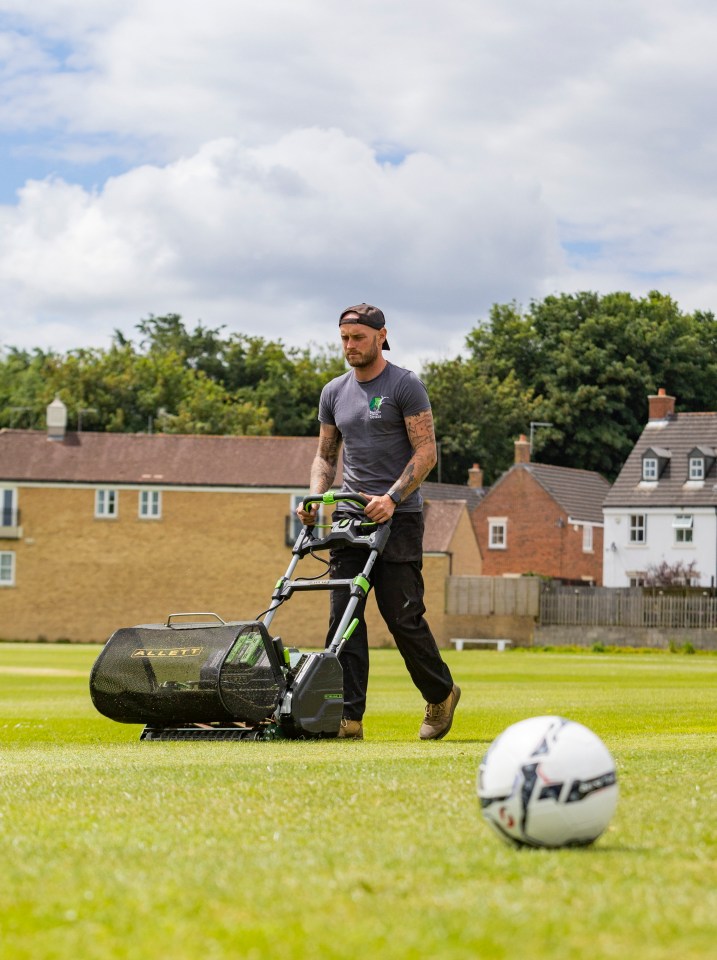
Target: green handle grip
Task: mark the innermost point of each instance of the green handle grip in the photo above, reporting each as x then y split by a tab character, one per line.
331	498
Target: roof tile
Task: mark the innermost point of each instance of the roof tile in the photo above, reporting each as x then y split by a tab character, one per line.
680	435
162	459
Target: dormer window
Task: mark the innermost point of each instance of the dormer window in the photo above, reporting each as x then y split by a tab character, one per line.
654	461
699	462
649	468
697	468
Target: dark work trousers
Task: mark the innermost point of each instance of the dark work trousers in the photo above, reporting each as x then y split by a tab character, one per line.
398	584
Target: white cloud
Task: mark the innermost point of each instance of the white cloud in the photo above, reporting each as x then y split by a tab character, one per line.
252	132
312	218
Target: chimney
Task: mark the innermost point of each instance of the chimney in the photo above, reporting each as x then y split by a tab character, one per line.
661	406
475	476
56	420
522	449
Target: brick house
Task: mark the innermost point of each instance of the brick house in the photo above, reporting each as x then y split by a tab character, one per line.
542	519
662	507
102	530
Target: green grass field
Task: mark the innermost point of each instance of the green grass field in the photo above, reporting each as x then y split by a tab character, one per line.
112	848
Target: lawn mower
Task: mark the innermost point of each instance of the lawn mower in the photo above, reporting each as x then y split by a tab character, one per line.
199	677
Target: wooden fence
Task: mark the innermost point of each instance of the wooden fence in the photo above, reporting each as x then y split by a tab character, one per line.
493	596
553	605
633	607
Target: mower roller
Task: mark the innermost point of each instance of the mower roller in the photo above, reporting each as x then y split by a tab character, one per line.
211	679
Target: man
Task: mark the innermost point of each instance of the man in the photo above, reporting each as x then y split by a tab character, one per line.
381	415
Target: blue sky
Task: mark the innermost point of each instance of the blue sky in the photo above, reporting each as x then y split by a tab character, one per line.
262	164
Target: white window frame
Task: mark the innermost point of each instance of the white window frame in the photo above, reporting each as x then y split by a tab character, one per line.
638	528
683	525
650	468
149	505
7	568
106	503
497	533
587	538
696	468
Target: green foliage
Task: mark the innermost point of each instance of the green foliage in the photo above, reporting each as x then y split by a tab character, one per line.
477	416
582	362
174	380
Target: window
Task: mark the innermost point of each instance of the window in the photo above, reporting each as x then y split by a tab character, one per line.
649	468
106	503
638	528
150	504
655	461
697	468
682	525
8	507
587	538
293	525
7	568
497	534
700	461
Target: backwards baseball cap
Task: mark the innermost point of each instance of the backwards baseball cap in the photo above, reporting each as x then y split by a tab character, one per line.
365	313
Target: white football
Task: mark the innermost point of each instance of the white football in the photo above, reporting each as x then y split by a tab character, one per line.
548	782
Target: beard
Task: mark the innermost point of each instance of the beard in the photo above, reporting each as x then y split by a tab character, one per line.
365	358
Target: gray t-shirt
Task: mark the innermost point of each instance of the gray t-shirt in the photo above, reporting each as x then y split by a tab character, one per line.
370	418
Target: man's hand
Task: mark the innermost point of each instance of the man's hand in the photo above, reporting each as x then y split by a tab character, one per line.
308	517
379	509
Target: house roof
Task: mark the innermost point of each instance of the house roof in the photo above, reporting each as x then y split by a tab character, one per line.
189	460
580	493
442	518
176	459
453	491
679	434
163	459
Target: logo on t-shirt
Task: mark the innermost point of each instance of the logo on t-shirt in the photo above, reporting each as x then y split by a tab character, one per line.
374	407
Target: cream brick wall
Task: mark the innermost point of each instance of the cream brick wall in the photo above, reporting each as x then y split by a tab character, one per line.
80	578
464	548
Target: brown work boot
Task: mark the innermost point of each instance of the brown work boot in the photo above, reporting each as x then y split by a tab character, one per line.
351	729
439	716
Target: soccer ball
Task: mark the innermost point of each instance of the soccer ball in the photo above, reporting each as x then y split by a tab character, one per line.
548	782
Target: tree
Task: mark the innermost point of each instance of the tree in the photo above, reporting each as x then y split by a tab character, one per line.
586	363
678	574
284	381
174	379
476	416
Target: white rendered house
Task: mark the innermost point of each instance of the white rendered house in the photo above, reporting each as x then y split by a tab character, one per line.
663	506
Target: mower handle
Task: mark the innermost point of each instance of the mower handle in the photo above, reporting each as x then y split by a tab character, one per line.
331	498
193	613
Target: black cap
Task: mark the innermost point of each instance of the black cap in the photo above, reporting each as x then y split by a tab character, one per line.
365	313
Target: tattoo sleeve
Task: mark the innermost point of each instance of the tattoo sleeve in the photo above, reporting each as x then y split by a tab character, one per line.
423	441
323	469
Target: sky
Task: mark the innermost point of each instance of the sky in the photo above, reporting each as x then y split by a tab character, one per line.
259	165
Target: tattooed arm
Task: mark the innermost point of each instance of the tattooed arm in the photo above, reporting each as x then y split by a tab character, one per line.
323	469
423	441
